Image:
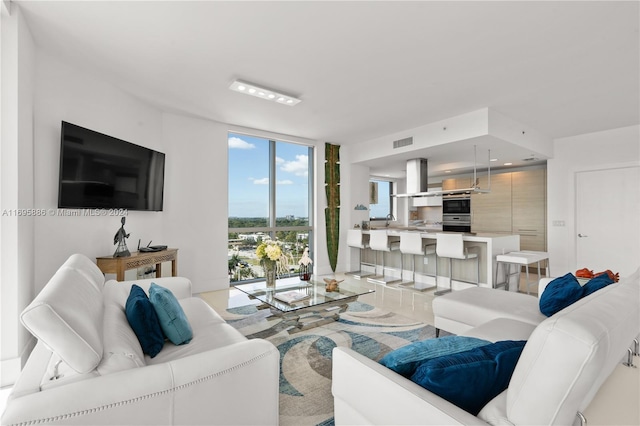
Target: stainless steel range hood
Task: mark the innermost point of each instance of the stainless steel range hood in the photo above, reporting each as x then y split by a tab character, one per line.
418	185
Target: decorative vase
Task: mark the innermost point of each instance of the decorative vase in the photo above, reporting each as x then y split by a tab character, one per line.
270	277
304	272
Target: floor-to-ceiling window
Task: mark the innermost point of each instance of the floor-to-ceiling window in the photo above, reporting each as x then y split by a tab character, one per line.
270	198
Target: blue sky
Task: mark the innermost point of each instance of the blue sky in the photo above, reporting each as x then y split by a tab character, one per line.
249	177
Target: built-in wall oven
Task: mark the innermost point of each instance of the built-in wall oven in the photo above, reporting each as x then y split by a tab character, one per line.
456	222
456	214
456	205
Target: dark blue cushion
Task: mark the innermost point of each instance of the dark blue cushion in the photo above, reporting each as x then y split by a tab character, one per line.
172	318
596	283
472	378
560	293
143	320
406	359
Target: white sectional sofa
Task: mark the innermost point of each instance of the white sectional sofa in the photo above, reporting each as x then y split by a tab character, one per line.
88	366
566	359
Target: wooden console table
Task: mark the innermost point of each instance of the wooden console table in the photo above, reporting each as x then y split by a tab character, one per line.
117	265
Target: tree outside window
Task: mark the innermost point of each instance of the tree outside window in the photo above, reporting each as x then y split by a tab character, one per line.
270	197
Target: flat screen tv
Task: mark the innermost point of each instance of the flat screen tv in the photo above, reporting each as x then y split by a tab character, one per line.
103	172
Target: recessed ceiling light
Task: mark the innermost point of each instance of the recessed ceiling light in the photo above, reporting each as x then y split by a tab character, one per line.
262	92
447	171
494	159
508	164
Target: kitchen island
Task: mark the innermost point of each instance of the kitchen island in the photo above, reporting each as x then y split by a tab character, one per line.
487	245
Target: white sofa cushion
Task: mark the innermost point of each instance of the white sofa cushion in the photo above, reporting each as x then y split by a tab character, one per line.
67	315
122	349
86	268
502	329
210	331
118	292
578	347
460	311
59	373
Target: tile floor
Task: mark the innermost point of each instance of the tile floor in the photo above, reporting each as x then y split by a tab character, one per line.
616	403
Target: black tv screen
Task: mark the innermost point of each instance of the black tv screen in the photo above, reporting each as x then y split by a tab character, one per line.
100	171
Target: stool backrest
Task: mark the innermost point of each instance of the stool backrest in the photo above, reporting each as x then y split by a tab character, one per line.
450	245
411	243
379	240
354	238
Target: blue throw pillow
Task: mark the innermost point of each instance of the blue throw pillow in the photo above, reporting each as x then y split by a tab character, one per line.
406	359
172	318
472	378
143	320
596	283
560	293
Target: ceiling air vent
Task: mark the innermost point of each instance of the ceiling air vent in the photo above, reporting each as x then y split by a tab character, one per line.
402	142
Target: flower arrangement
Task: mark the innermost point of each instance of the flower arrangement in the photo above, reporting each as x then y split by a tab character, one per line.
272	257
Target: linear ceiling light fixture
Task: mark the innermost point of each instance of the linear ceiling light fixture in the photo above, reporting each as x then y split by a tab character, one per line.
263	93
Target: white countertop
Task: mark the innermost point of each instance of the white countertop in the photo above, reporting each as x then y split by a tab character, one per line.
466	236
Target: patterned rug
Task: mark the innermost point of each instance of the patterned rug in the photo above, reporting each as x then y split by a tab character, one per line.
305	357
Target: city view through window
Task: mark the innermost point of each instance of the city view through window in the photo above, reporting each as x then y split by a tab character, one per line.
270	195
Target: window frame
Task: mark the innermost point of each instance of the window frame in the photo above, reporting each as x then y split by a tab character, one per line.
271	229
392	200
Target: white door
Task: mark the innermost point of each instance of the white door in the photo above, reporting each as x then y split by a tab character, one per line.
608	220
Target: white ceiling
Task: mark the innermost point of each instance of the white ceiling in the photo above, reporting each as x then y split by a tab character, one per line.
362	69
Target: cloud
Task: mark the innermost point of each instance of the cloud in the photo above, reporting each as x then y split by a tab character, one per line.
280	160
265	181
237	143
299	167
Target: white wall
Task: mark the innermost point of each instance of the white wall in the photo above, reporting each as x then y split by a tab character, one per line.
195	213
196	199
592	151
64	93
16	180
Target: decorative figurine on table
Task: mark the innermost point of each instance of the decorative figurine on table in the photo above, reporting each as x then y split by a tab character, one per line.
119	238
332	284
304	271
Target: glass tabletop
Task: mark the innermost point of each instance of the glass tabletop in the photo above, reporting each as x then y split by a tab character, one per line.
313	293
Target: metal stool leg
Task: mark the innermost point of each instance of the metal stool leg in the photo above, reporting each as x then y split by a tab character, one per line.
450	289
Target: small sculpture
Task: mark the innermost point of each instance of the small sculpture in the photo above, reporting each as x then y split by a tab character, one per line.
119	238
332	284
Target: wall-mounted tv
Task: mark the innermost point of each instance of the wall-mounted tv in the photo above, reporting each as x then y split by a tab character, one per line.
100	171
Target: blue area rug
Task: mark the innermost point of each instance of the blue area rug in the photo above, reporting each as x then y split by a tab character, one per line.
305	357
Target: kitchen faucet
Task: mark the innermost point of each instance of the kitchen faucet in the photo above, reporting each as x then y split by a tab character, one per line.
389	217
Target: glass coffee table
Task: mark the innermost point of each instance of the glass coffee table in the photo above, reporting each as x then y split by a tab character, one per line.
317	306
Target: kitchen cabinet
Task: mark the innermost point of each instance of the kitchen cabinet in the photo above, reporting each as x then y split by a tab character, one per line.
492	212
516	205
529	206
459	183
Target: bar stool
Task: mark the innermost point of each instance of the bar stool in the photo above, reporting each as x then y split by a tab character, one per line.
355	239
411	243
451	246
520	259
379	241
